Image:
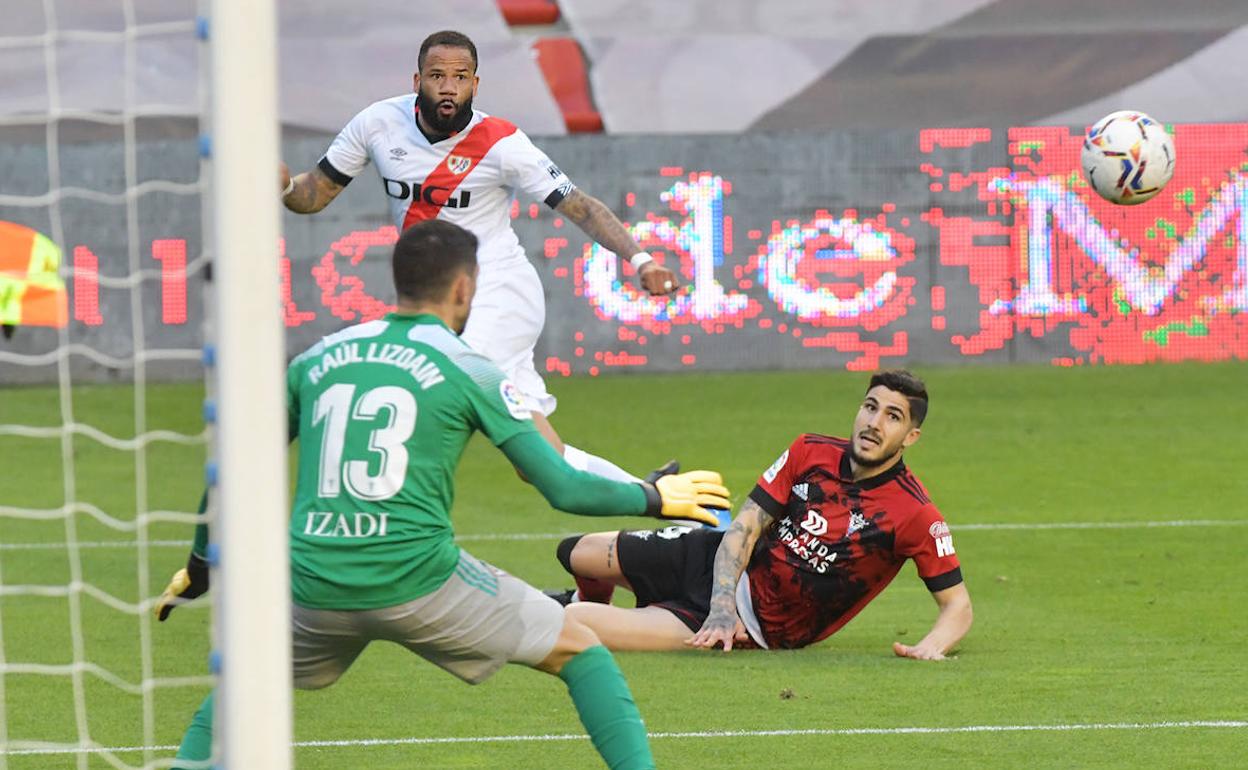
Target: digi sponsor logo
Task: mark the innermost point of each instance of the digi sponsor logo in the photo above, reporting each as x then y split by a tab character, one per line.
514	400
769	475
434	195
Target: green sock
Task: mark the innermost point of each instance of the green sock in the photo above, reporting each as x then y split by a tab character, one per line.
607	710
197	742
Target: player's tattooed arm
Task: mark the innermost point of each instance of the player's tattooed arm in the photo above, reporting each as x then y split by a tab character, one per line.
722	625
311	191
600	223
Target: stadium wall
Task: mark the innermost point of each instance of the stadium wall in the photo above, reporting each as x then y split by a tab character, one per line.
839	250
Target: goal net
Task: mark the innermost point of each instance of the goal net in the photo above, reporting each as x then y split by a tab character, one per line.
120	134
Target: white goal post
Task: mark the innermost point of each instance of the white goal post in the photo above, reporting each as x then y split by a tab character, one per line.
253	720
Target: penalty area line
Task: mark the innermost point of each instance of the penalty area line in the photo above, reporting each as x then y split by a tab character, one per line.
848	731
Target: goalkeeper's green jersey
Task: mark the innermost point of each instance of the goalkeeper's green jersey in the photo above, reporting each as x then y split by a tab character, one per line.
383	411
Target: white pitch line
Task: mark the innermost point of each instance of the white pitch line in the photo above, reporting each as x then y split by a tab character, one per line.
495	536
515	536
848	731
97	544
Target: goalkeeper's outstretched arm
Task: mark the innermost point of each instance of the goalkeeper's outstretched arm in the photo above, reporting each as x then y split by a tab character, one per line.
309	192
678	496
191	581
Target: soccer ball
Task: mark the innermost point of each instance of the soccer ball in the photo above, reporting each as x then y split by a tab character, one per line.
1127	157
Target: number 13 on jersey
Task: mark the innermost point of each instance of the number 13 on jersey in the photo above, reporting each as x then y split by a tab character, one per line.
388	442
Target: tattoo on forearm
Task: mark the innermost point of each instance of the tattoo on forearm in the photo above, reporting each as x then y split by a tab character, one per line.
313	192
734	554
610	552
729	563
302	198
598	222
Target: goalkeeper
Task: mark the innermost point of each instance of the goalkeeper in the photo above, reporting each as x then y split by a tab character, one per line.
383	411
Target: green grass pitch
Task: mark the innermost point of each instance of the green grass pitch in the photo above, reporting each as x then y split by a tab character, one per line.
1100	625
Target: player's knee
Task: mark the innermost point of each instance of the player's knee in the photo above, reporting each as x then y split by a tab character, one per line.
579	636
574	638
564	552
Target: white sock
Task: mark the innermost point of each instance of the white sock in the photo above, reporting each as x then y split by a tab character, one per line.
584	461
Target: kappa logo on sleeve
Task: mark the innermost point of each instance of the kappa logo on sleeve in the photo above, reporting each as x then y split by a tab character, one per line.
770	474
516	403
944	541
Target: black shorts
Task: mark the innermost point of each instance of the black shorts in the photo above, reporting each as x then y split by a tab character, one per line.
672	568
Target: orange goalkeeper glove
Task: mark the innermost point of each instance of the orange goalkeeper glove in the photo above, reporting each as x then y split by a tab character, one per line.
186	584
687	496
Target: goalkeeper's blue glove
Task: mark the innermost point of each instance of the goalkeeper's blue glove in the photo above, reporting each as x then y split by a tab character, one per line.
188	583
683	495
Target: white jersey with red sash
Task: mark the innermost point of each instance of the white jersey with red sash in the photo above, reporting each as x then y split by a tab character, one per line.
469	178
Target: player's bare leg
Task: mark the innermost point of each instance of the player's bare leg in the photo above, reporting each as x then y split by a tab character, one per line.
601	696
643	629
574	638
594	564
595	557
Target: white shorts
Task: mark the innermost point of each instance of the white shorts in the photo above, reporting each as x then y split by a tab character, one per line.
474	623
508	313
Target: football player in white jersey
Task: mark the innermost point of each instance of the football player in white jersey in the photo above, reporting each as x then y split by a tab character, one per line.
439	157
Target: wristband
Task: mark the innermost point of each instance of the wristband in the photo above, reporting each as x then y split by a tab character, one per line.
639	259
197	571
290	187
654	500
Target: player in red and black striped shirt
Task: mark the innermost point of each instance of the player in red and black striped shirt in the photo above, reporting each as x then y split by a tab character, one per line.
828	526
